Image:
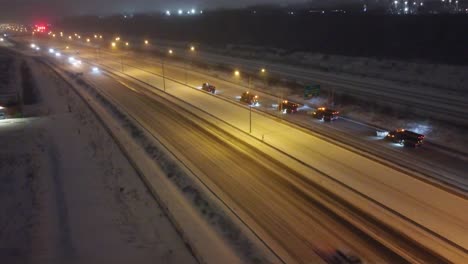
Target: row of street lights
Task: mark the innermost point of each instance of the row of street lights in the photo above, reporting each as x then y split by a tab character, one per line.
191	50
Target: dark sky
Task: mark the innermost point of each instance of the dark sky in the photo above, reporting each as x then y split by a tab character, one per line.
11	9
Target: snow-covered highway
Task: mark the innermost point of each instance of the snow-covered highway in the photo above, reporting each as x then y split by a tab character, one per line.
308	188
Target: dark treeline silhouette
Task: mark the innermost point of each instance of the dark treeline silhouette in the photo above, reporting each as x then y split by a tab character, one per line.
432	38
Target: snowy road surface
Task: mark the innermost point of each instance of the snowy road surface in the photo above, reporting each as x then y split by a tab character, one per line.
252	182
429	160
425	213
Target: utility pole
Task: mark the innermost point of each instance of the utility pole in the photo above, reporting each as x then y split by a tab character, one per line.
250	108
164	78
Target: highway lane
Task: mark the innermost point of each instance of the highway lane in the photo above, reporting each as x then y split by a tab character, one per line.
426	205
257	185
281	202
430	161
427	98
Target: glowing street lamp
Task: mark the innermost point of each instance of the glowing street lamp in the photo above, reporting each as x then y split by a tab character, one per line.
146	42
126	44
113	44
236	73
192	48
117	39
170	52
88	40
263	70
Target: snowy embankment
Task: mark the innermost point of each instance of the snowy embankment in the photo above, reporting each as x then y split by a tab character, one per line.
212	231
68	194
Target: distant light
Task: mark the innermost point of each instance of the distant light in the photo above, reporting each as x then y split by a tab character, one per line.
146	42
69	37
37	48
170	51
117	38
51	50
1	39
180	11
113	44
33	46
67	47
53	35
168	13
71	59
95	69
263	70
57	54
126	43
88	40
192	48
193	11
236	73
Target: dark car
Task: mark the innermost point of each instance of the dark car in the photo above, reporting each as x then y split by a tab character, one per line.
326	114
249	98
209	88
288	107
406	138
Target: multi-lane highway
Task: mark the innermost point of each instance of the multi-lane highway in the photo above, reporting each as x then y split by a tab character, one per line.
339	199
445	104
430	160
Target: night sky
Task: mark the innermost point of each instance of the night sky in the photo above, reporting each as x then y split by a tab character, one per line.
36	9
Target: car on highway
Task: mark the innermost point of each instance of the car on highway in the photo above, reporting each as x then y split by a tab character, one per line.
288	107
406	138
208	88
325	114
249	98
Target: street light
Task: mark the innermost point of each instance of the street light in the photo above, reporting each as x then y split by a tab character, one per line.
113	44
146	42
163	71
126	44
88	40
191	50
237	74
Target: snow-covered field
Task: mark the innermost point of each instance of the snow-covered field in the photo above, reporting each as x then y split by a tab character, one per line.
67	193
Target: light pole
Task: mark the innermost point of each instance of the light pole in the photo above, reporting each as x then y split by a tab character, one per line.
191	51
163	71
237	74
